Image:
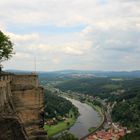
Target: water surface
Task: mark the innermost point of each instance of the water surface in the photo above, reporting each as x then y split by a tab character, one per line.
88	118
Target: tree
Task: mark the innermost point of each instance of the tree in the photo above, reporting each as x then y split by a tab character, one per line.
6	48
64	136
67	136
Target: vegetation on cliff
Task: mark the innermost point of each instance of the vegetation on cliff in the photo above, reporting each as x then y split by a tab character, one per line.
127	112
58	106
6	48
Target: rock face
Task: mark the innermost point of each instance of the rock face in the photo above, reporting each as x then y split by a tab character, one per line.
21	107
12	129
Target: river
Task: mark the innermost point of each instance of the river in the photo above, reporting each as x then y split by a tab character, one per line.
88	118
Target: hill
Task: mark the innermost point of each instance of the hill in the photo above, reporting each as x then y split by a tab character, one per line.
82	73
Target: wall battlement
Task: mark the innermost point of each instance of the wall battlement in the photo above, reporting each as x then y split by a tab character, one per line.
25	81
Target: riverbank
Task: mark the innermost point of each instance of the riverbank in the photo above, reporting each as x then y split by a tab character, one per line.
98	109
92	130
61	126
95	107
61	114
89	118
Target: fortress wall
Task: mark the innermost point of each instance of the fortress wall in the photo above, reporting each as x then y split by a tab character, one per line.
28	100
28	104
9	121
25	81
22	99
5	89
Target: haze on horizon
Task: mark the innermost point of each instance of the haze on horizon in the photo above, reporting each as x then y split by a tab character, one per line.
72	34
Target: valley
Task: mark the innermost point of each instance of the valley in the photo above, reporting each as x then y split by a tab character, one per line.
109	93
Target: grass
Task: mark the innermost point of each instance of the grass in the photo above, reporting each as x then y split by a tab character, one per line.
91	129
61	126
112	86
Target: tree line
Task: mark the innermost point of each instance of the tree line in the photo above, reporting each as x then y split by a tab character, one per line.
56	105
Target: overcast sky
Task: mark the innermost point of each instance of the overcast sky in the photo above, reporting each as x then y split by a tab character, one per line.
72	34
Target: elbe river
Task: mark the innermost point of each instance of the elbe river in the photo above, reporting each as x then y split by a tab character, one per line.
88	118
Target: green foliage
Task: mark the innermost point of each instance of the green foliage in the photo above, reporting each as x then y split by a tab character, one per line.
56	105
65	136
59	127
112	86
101	87
96	103
127	110
132	136
6	47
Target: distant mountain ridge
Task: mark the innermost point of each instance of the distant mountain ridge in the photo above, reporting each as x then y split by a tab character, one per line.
133	74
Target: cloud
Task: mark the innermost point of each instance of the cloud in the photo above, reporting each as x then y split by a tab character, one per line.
51	30
23	38
56	61
69	48
64	12
2	26
76	48
35	44
19	55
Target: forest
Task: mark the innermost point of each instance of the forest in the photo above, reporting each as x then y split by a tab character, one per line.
127	111
94	86
125	91
57	106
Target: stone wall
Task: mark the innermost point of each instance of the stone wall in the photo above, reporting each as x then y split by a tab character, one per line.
12	129
5	89
29	104
24	81
5	94
9	120
22	100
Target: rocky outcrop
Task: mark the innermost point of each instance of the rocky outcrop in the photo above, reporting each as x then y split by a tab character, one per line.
21	107
12	129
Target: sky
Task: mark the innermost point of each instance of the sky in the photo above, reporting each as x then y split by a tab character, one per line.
72	34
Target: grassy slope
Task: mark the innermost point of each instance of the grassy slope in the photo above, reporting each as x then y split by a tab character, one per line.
61	126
